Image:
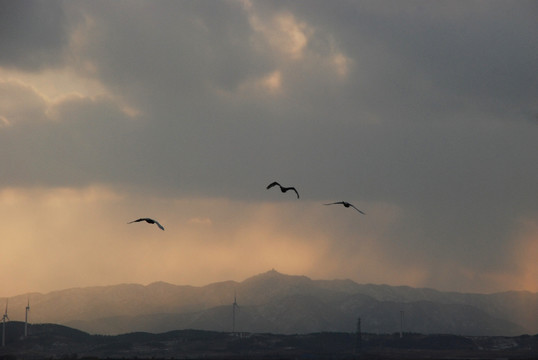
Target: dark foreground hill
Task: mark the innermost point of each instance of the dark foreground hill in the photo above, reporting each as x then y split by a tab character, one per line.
50	341
277	303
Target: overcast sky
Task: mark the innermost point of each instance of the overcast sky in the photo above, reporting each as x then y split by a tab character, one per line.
422	114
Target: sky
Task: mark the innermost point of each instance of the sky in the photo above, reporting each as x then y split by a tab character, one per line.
422	114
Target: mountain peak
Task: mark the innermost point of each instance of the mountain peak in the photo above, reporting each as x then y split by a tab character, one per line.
275	275
272	273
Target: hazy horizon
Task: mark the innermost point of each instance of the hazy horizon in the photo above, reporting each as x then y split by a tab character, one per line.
422	114
239	281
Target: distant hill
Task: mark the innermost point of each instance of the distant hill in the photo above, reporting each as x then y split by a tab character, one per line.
285	304
51	341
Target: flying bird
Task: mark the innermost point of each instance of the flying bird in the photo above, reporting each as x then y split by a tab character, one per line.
283	188
149	221
346	204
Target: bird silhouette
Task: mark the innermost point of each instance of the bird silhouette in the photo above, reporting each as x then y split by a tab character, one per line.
149	221
283	188
346	204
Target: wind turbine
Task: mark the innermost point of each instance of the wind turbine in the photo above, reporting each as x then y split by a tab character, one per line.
4	318
26	319
234	307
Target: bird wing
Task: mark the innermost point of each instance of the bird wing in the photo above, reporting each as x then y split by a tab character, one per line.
159	225
295	191
137	220
272	184
338	202
354	207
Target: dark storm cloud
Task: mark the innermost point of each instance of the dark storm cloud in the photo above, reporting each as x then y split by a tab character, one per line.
436	57
199	44
413	68
33	34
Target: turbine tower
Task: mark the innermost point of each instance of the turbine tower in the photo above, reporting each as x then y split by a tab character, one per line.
401	323
234	307
26	319
4	318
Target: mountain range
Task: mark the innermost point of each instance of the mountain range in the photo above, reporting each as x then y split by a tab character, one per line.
272	302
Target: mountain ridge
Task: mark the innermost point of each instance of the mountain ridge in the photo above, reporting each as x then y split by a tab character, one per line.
275	302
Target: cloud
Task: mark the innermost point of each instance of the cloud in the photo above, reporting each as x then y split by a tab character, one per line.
20	103
283	33
416	113
62	142
34	35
